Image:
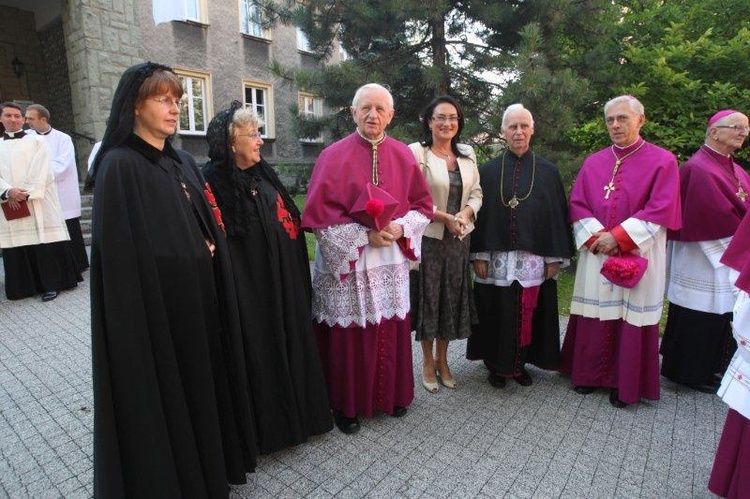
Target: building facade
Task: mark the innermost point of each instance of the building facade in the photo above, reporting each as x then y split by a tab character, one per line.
69	54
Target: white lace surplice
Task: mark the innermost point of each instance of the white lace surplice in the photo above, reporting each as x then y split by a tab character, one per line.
735	387
697	279
356	284
504	267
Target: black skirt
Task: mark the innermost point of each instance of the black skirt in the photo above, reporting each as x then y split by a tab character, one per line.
39	268
496	339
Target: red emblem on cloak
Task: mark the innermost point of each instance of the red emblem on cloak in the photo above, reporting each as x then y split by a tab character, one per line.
214	207
291	226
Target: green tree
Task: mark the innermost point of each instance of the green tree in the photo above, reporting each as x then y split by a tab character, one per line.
430	47
684	61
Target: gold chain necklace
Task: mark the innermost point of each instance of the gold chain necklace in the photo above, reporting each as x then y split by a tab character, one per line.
741	193
374	143
618	161
515	200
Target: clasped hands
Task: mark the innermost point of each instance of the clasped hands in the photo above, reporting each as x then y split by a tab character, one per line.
605	243
456	224
16	195
386	236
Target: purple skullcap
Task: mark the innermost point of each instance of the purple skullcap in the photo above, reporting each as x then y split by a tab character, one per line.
716	117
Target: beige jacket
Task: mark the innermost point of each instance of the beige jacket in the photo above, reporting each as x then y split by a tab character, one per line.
436	174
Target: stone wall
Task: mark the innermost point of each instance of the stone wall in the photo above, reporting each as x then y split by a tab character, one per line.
102	39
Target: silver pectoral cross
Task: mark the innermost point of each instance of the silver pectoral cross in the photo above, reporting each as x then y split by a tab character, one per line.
609	188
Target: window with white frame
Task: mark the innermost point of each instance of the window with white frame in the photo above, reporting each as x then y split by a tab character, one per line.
196	102
259	99
196	10
251	19
303	43
310	107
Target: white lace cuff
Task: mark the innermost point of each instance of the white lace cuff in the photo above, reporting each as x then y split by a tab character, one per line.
414	224
339	246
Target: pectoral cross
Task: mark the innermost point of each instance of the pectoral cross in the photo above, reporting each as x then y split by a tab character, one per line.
609	188
741	194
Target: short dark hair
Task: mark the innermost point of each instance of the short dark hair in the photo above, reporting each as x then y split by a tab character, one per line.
42	111
427	116
9	104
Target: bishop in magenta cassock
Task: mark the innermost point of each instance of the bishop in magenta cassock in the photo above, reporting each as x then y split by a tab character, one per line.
730	476
697	343
625	198
361	273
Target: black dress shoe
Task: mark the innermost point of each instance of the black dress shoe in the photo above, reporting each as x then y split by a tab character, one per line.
523	379
399	412
49	296
496	380
345	424
583	390
614	399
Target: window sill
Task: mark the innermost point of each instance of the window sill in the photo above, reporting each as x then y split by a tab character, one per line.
308	53
260	39
188	133
193	22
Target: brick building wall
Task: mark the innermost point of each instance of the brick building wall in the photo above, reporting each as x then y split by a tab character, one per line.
18	38
58	100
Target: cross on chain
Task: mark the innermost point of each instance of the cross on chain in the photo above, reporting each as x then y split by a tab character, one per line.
609	188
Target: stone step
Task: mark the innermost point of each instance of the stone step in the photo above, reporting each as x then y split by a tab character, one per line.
87	201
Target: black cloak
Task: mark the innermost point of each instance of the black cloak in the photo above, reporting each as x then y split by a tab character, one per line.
272	279
539	224
173	415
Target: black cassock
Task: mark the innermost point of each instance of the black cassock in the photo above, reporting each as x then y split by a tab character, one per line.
272	276
538	224
172	406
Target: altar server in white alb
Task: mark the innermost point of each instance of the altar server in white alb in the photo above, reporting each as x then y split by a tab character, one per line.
63	166
37	256
730	476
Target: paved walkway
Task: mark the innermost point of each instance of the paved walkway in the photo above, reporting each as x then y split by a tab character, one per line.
541	441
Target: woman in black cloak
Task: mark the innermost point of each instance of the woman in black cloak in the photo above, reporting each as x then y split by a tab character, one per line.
272	277
173	416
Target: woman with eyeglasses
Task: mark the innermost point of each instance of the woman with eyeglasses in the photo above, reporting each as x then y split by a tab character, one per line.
442	304
172	413
272	279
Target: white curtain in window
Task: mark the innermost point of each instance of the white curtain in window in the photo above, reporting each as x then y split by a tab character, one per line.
169	10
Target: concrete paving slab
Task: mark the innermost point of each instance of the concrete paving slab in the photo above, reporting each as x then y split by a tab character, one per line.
477	441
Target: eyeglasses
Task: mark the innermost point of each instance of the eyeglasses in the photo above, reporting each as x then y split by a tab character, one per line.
445	119
736	128
167	101
252	135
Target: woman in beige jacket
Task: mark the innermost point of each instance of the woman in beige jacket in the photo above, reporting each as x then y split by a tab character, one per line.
442	304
